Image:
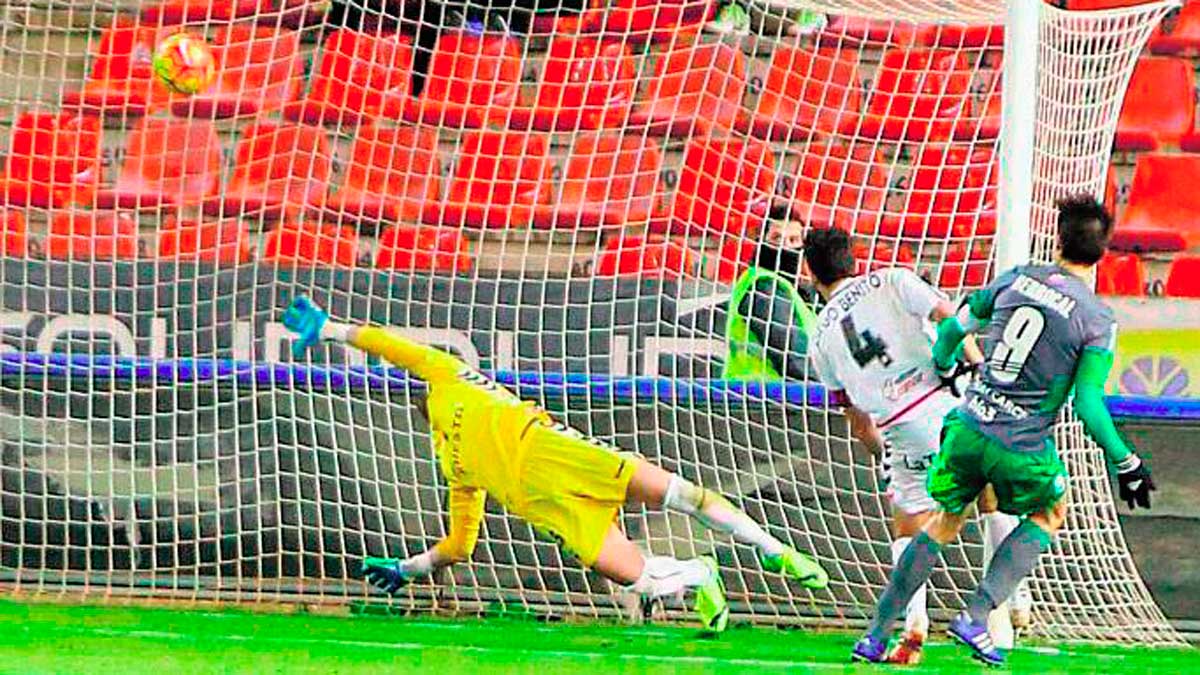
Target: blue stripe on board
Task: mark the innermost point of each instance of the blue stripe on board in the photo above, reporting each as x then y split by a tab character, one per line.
551	385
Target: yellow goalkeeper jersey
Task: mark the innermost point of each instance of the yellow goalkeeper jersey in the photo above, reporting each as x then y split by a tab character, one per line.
477	428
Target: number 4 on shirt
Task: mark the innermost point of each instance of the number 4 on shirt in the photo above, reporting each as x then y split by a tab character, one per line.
865	347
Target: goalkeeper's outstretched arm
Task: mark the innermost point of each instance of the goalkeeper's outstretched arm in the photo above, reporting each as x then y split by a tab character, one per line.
311	324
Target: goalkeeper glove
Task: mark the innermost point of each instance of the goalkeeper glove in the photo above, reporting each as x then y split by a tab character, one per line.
305	319
950	377
1134	482
388	574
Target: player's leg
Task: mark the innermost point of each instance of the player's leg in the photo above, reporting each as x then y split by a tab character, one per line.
911	447
955	480
908	651
622	562
1025	482
997	525
656	487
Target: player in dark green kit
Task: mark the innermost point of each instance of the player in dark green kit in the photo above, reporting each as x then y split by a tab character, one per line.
1044	332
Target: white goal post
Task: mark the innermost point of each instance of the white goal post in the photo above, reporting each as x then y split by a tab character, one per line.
566	204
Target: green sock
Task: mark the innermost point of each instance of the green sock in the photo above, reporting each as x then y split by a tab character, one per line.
911	572
1014	560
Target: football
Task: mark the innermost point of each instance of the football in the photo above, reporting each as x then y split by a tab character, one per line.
185	63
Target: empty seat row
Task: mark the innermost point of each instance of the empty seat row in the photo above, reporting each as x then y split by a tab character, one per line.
89	235
501	178
1125	274
588	83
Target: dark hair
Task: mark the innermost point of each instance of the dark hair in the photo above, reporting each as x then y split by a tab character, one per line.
829	254
1084	227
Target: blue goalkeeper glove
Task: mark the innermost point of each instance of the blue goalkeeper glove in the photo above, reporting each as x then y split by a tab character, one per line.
305	319
387	574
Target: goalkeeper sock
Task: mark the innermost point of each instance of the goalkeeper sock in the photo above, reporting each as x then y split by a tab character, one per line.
716	513
916	618
663	575
1014	560
912	570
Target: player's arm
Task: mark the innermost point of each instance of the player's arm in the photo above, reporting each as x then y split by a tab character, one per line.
974	313
863	429
1091	374
311	324
466	513
427	363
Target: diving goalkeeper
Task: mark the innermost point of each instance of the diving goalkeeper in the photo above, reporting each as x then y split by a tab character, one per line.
566	485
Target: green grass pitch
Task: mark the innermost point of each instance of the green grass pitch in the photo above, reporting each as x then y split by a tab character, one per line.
46	638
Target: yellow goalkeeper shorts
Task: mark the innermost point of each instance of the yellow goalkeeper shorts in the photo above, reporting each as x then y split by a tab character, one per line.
573	487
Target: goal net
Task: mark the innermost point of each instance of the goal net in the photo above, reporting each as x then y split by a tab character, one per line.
560	194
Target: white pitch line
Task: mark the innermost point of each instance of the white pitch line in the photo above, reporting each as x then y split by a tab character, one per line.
418	647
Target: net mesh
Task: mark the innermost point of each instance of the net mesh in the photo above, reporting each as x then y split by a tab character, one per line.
552	190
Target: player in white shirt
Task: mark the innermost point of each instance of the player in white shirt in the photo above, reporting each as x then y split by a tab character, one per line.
872	349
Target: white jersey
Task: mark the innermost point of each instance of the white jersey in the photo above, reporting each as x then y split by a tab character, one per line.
874	341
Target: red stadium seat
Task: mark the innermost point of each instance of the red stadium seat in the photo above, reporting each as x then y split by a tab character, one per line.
473	79
391	176
171	12
653	257
725	186
694	87
354	72
953	194
259	70
13	234
53	161
1183	279
500	179
167	162
806	93
958	36
965	267
610	179
279	169
882	255
121	81
1159	105
844	31
1163	213
587	83
82	235
840	186
735	256
306	244
659	20
407	248
1097	5
923	94
226	242
1178	34
1120	275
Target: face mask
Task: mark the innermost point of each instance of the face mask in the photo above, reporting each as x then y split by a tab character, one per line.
785	261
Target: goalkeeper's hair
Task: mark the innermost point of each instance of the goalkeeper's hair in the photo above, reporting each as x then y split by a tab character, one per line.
829	254
1084	228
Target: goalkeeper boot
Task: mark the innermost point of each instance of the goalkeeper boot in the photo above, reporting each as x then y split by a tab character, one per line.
305	319
798	566
386	574
907	652
711	605
869	650
975	635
